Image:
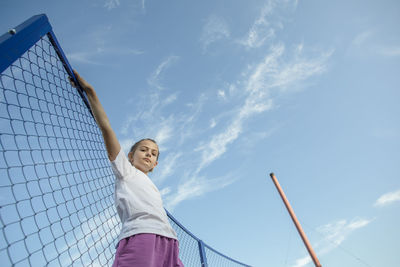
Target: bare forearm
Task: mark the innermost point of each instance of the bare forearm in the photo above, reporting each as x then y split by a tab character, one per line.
109	136
97	110
110	139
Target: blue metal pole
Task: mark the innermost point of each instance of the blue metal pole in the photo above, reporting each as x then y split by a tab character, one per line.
203	258
67	66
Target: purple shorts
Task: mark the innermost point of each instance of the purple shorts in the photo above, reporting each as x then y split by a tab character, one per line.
147	250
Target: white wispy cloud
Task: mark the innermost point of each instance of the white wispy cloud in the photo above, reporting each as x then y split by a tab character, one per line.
365	39
164	132
221	94
252	139
362	37
94	57
149	119
139	126
271	73
269	21
387	199
337	232
111	4
170	99
302	261
144	5
165	191
168	166
84	57
217	146
123	51
214	30
156	76
196	186
261	30
297	70
126	144
213	123
149	110
334	234
389	51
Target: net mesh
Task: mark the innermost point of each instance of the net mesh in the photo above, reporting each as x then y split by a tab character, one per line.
188	246
56	186
216	259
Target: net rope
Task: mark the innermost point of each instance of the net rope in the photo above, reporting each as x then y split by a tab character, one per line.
56	186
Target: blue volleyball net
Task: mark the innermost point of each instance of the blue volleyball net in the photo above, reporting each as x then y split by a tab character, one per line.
56	186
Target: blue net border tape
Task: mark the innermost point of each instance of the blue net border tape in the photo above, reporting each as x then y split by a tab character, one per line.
17	41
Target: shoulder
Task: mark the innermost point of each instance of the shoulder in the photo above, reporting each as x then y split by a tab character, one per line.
121	165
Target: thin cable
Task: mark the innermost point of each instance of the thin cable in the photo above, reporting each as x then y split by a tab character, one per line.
339	246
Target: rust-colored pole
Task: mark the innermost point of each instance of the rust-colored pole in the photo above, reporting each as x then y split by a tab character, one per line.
296	222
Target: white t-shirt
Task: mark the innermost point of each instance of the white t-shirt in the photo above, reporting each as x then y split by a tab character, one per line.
138	201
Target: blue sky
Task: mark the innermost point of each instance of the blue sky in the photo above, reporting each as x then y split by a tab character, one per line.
234	90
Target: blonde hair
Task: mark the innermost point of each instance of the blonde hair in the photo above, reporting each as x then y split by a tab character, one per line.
136	145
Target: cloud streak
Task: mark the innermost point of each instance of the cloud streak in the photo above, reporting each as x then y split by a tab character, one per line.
362	37
261	30
365	39
144	5
272	73
334	234
156	76
389	51
168	166
111	4
265	27
196	186
93	57
214	30
387	199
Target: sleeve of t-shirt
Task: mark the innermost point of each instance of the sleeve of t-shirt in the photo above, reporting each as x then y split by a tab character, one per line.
121	166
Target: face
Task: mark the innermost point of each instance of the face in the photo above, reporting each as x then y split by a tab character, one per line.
145	156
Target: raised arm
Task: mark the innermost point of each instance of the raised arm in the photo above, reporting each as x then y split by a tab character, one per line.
110	139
